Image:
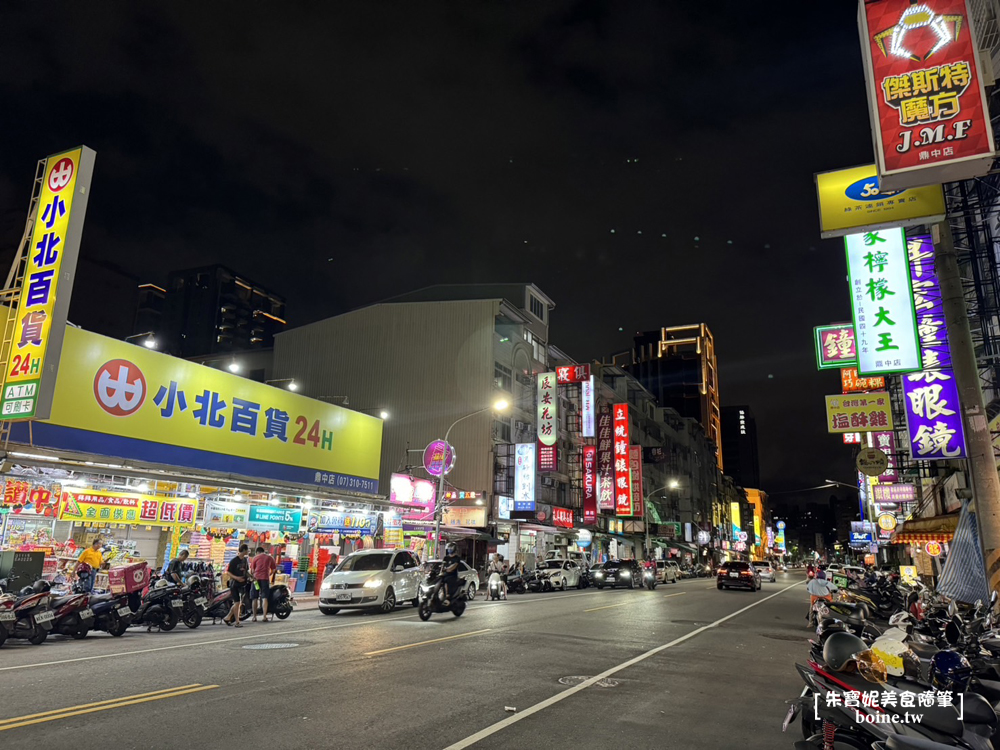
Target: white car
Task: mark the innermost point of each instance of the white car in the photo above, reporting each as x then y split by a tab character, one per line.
580	558
375	579
667	571
470	578
767	572
563	574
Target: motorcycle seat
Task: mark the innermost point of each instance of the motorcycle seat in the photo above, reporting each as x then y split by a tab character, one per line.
98	598
991	644
904	742
61	601
923	650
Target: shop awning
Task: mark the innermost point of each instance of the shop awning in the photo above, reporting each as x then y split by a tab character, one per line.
923	530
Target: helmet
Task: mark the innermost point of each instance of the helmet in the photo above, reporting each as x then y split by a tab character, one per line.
899	660
41	587
950	671
193	581
83	569
899	619
161	584
821	574
841	649
451	549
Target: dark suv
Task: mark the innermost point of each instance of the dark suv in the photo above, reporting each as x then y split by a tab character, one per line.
739	574
618	572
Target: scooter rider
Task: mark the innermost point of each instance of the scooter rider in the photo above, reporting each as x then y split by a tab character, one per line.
449	572
819	588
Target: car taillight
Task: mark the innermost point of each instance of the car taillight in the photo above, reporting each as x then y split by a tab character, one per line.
747	573
723	571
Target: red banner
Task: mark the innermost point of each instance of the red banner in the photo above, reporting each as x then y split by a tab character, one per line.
926	93
562	517
548	457
572	374
852	383
589	484
605	460
623	479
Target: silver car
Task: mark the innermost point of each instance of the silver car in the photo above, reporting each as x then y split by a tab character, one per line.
377	579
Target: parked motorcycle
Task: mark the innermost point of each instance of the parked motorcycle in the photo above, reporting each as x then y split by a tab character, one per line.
32	619
516	585
280	601
160	607
73	616
111	613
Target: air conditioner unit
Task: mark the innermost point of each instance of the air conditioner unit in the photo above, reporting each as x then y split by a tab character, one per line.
548	482
518	425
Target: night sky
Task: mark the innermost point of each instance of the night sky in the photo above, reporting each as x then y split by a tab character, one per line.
644	163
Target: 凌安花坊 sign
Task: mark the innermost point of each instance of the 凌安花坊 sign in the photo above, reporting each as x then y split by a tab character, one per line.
930	115
130	402
49	270
851	200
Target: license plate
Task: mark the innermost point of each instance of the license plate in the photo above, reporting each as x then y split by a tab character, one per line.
344	596
124	612
790	716
7	617
201	601
177	603
87	614
44	617
734	575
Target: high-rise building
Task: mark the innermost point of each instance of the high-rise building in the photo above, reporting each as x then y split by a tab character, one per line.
678	366
739	445
210	310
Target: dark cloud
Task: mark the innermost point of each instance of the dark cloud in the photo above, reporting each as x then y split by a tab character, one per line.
420	142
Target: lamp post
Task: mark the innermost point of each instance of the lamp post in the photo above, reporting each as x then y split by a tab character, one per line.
500	405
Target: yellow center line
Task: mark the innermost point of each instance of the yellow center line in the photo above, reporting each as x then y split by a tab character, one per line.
98	703
425	643
625	604
24	721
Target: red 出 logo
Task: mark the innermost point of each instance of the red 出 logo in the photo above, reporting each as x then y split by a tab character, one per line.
61	174
119	387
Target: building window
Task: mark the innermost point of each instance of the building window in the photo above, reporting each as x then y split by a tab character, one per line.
501	431
503	377
537	307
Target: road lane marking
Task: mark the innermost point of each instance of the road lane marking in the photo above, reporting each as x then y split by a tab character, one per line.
625	604
90	708
97	703
482	734
427	643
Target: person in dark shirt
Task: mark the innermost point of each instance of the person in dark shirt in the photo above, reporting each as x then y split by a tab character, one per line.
237	584
175	567
449	572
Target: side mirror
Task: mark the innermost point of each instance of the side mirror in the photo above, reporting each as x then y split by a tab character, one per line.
397	569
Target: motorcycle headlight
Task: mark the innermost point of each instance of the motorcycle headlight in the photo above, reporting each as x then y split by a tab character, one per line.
373	583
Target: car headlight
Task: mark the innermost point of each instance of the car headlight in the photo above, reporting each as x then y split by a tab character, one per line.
326	585
626	574
374	583
598	575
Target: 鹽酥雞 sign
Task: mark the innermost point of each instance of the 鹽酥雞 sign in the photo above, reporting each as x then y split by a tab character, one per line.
858	412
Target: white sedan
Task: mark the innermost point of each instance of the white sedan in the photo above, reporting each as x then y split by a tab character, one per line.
767	572
563	574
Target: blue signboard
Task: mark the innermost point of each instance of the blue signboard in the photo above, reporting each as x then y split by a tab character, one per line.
339	522
266	518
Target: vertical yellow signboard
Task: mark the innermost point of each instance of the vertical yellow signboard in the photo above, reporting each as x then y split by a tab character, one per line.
37	332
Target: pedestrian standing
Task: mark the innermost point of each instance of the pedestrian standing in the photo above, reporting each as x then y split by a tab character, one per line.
262	569
238	570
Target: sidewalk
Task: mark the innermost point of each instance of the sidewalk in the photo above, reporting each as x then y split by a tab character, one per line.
305	600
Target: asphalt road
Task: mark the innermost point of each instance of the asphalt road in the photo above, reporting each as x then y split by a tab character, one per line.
684	666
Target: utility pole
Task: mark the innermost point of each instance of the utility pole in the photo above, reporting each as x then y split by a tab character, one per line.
982	464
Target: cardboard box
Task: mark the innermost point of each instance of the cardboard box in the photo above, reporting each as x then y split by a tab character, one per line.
127	579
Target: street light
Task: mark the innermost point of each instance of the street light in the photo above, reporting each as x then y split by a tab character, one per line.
290	383
499	405
383	415
150	340
673	484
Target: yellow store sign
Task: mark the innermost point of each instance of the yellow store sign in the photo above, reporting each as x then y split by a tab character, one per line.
130	402
850	201
40	318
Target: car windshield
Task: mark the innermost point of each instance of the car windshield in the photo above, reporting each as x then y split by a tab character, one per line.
363	562
612	565
738	566
552	565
